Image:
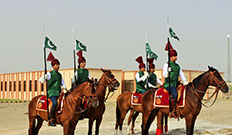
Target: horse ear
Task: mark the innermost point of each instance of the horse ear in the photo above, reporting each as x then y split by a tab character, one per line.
209	67
103	70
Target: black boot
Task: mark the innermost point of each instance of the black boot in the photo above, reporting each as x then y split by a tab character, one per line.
172	114
52	117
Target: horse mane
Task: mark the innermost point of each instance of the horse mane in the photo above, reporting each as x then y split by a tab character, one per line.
73	88
197	79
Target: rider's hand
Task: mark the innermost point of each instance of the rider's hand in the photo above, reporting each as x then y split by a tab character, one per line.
185	83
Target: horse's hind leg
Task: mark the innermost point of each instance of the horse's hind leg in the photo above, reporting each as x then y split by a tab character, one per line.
39	125
159	129
31	125
98	123
136	114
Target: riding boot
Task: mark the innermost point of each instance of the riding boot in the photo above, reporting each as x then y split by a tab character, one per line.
173	114
52	117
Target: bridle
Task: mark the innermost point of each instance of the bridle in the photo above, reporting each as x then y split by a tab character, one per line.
220	85
110	83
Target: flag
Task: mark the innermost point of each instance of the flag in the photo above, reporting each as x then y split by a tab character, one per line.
149	52
168	44
49	44
50	57
80	46
173	34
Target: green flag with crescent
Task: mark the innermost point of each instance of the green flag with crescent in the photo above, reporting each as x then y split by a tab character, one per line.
149	52
80	46
173	34
49	44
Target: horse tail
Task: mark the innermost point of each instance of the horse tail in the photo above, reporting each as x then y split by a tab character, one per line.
118	115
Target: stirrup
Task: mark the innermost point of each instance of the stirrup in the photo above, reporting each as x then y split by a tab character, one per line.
172	115
51	123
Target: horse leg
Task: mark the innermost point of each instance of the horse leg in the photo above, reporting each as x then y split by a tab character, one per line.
98	123
31	125
66	129
39	125
190	121
166	123
72	128
90	126
133	121
130	116
151	119
159	129
146	115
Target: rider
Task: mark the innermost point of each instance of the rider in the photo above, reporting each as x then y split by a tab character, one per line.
55	81
153	78
82	74
141	77
175	72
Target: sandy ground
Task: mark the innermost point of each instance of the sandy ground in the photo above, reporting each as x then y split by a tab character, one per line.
216	120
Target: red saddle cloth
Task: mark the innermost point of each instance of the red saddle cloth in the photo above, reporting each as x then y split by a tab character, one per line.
42	104
136	98
162	98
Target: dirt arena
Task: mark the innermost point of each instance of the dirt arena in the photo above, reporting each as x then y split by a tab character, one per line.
216	120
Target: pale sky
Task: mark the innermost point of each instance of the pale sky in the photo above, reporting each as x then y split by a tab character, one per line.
114	32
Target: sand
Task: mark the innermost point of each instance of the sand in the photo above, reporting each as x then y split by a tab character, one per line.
216	120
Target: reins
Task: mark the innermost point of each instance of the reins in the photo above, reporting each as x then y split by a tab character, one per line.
109	86
213	78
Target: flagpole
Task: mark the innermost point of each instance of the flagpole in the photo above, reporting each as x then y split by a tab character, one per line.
74	59
45	72
146	59
169	87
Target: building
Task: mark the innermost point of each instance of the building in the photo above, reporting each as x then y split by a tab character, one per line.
25	85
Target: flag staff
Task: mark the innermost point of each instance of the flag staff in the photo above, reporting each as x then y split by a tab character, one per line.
146	58
45	72
74	59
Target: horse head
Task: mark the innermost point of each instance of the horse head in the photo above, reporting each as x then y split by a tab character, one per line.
110	80
216	80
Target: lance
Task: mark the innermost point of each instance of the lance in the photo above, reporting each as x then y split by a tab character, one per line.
45	72
74	68
169	87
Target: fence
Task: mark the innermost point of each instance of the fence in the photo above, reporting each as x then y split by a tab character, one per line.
23	85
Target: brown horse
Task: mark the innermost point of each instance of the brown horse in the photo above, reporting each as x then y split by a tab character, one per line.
107	80
122	107
195	92
70	114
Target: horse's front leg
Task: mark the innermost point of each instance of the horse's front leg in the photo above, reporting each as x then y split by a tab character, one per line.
66	129
90	126
145	117
190	122
98	123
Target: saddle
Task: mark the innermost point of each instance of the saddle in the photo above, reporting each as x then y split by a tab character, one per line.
41	104
136	98
161	97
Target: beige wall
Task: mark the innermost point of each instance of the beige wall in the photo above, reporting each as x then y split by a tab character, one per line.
11	91
8	91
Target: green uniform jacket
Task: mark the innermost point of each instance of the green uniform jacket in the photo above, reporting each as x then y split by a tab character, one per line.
140	86
82	75
54	84
174	74
152	79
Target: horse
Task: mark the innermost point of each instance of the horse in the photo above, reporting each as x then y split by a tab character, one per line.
107	80
195	92
123	106
70	114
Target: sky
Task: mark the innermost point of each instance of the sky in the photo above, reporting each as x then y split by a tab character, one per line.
114	32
